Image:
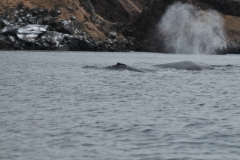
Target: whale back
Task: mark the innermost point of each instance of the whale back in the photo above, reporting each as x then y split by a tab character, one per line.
121	66
186	65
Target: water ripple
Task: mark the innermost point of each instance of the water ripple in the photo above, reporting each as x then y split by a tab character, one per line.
53	108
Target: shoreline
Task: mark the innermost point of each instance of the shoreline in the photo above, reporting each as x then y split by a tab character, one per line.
40	29
124	52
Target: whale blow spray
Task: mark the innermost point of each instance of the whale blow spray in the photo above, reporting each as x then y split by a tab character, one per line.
187	29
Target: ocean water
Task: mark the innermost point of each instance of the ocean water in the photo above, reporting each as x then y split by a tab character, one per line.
53	106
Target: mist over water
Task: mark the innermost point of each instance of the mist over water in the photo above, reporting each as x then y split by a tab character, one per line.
188	29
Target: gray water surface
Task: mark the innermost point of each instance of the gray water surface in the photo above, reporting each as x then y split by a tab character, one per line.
54	108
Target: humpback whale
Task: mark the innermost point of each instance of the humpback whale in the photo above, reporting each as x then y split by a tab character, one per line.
186	65
121	66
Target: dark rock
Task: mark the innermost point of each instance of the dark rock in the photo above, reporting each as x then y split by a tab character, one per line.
39	21
29	45
73	18
124	41
35	12
53	38
39	12
2	42
16	12
20	20
47	19
119	27
70	8
4	23
52	22
9	29
110	41
233	48
63	48
30	19
17	45
42	46
84	34
65	27
54	13
49	47
42	11
81	45
11	38
73	44
22	13
112	35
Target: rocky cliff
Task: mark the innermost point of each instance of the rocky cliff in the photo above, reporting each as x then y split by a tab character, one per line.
114	25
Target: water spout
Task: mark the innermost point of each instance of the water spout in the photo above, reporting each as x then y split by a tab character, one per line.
188	29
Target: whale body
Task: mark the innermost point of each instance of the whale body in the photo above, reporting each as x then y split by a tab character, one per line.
121	66
186	65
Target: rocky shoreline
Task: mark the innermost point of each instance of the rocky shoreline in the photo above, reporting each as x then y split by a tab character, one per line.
40	29
99	29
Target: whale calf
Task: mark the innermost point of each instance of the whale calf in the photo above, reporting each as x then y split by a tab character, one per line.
186	65
121	66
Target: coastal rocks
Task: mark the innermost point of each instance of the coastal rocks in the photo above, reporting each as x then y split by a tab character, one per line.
64	26
29	46
46	20
112	35
2	42
70	8
42	29
7	27
73	18
81	44
39	29
38	11
30	32
17	45
233	48
53	38
54	13
4	23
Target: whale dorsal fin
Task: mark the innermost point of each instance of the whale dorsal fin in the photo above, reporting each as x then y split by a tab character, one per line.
121	64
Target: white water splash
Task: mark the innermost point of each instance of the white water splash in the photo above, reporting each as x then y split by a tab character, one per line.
187	29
